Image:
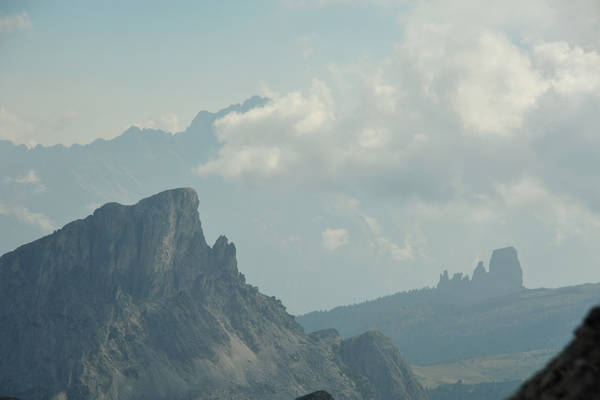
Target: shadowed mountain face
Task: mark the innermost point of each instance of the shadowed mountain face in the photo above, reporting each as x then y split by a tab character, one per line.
132	303
575	372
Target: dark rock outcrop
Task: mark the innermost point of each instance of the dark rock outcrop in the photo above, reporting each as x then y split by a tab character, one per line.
574	373
132	303
318	395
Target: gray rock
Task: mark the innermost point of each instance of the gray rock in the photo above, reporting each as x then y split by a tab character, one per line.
132	303
479	274
505	268
381	371
505	277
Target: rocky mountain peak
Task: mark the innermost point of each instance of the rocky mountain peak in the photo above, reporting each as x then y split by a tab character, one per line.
505	266
376	358
131	302
504	277
479	273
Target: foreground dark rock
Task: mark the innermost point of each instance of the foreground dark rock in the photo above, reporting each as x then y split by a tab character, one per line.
318	395
574	373
132	303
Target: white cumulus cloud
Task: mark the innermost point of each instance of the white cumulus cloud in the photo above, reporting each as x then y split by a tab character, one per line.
15	128
334	238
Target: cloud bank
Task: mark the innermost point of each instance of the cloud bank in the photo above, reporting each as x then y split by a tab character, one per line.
478	113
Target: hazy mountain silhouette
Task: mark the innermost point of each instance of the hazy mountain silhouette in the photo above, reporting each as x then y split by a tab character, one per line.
492	313
49	186
132	303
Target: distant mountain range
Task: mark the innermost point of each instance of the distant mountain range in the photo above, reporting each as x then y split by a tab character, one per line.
490	315
45	187
132	303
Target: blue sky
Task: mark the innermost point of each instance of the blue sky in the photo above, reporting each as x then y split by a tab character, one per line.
143	59
418	134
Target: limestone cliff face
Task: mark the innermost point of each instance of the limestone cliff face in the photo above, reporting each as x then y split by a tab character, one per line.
132	303
575	372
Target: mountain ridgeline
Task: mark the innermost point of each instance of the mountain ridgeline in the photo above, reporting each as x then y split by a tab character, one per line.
73	181
489	314
132	303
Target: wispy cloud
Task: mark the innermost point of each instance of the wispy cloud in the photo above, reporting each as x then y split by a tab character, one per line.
333	239
168	122
469	101
31	177
15	23
15	128
24	214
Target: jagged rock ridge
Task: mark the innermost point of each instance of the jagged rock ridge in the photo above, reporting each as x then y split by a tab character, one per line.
462	318
132	303
504	277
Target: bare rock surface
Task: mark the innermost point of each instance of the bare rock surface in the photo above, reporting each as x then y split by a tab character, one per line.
132	303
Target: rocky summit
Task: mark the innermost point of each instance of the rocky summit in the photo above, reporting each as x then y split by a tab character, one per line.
132	303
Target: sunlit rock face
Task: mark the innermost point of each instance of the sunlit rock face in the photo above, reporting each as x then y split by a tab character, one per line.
132	303
575	372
